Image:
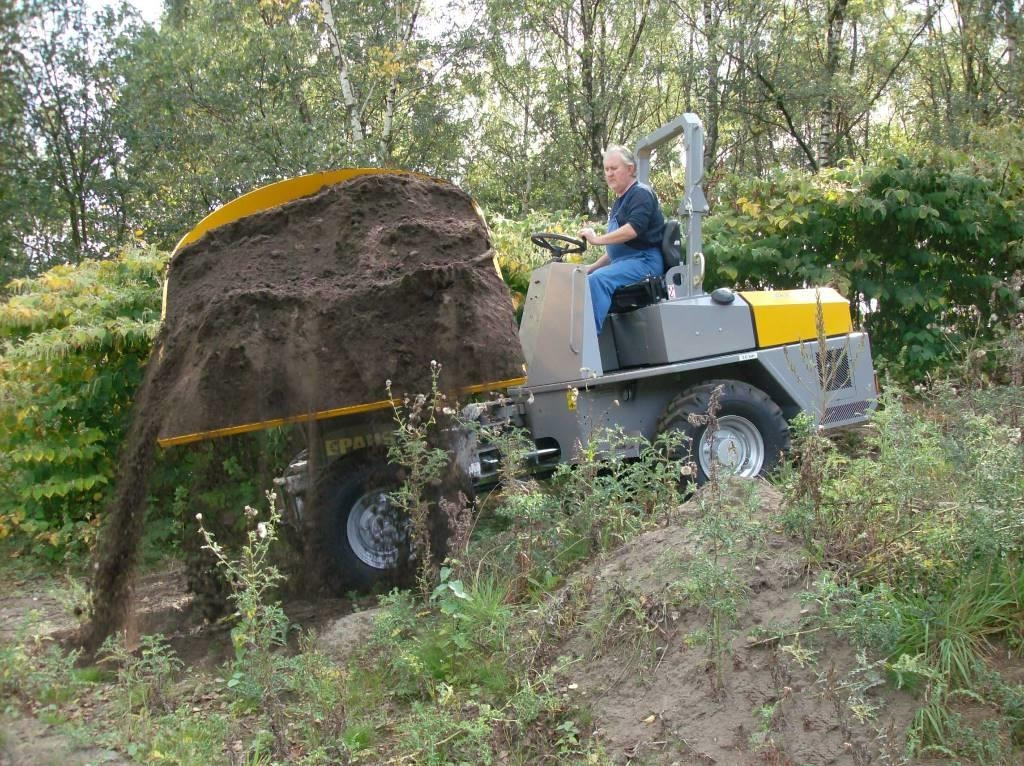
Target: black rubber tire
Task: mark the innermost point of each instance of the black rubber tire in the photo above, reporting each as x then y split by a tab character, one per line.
362	536
751	427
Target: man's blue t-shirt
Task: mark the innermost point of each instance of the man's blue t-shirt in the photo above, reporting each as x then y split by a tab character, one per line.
639	206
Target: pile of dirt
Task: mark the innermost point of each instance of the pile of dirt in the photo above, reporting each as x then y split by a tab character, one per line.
640	657
314	305
308	307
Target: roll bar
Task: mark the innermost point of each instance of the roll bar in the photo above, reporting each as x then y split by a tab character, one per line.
694	205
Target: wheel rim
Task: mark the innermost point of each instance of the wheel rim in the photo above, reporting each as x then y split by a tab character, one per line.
373	534
737	447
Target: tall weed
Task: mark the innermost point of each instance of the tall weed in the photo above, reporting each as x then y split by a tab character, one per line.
923	531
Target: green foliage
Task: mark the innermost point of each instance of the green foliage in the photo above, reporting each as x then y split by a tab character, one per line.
62	66
926	500
111	126
465	644
260	626
75	341
923	527
621	486
555	96
517	255
927	245
214	478
34	669
144	677
179	737
468	679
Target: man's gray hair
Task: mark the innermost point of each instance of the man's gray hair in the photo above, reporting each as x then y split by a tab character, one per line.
627	156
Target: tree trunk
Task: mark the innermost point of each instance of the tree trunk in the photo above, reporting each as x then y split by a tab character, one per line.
348	96
711	67
830	116
391	97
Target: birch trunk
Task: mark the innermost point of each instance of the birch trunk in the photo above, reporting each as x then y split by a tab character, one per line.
348	95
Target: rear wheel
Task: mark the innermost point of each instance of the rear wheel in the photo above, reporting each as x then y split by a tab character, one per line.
750	431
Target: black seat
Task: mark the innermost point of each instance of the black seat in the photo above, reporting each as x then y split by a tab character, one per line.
651	289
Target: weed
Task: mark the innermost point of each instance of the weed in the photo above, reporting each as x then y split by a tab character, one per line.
33	668
802	655
636	623
263	677
74	596
768	718
144	676
414	446
181	736
261	627
621	486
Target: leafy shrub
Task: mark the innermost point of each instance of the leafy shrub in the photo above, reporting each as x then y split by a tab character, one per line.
73	344
517	256
927	246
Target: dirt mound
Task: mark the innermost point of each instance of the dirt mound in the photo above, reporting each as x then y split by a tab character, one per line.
313	305
308	307
672	681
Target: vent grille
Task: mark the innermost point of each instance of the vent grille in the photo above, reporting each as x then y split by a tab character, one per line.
834	369
845	412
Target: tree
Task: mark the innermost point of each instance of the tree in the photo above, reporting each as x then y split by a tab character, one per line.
970	71
228	96
70	179
572	78
14	147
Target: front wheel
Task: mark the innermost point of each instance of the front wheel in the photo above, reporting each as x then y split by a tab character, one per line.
750	430
365	538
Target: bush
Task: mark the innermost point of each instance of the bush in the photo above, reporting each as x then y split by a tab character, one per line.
927	246
73	345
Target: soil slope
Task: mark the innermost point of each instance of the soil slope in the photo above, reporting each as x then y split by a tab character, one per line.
642	654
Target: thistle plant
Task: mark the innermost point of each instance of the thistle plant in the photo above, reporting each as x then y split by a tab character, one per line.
261	625
414	447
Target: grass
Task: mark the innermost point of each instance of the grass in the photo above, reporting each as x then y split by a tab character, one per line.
913	532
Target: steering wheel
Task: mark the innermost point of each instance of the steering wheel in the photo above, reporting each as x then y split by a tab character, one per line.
549	241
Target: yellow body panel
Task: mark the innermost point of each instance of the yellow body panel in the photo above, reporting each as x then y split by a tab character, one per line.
791	316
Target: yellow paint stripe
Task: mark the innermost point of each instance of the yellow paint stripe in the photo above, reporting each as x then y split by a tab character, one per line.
498	385
356	409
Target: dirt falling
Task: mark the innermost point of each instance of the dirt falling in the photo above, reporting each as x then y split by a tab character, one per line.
118	550
304	308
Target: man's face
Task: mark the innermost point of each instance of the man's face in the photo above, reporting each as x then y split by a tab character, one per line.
617	174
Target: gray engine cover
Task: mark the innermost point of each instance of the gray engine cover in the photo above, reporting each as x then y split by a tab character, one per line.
683	329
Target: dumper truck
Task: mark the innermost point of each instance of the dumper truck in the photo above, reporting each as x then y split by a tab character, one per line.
666	347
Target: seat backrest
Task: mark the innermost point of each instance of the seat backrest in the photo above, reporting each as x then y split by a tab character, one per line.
671	244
